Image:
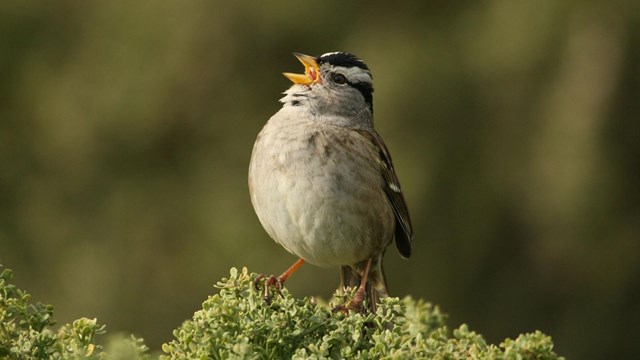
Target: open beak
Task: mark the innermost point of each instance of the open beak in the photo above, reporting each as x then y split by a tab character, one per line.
311	71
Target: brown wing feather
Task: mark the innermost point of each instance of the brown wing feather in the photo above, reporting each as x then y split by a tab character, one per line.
403	232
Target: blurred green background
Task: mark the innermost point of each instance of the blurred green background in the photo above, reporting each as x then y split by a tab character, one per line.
126	130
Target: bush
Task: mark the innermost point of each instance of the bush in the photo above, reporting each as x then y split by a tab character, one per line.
236	323
25	332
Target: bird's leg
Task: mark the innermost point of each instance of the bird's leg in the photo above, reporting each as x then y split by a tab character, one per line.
276	282
356	303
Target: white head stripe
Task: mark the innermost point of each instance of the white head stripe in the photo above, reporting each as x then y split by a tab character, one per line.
330	53
354	74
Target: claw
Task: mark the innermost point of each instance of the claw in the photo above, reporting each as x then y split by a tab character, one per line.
270	281
256	281
340	308
277	282
353	305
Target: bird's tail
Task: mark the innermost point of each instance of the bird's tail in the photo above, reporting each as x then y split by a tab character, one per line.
376	286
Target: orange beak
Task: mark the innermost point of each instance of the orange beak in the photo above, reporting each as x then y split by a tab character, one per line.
311	71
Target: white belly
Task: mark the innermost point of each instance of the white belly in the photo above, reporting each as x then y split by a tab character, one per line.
320	201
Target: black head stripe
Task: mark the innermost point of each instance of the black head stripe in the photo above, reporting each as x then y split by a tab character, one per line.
367	92
342	59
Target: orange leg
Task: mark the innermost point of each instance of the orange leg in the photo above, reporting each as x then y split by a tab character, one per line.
285	275
277	282
358	298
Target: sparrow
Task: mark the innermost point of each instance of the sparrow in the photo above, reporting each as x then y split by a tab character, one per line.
322	182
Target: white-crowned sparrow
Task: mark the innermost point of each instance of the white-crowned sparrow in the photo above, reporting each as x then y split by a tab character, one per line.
321	178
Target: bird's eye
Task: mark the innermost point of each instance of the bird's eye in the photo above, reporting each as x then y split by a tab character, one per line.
339	79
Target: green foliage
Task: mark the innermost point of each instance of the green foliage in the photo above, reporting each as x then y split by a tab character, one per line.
237	324
25	332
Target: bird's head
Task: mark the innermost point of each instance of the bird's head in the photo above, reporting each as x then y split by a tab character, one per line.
337	81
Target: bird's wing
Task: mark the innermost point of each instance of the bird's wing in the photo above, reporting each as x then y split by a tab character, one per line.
403	232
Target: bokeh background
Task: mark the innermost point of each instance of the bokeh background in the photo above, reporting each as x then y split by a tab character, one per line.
126	130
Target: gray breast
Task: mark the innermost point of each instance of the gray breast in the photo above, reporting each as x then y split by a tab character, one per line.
317	196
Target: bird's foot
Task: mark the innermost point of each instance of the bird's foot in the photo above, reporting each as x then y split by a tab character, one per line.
268	282
351	306
356	304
